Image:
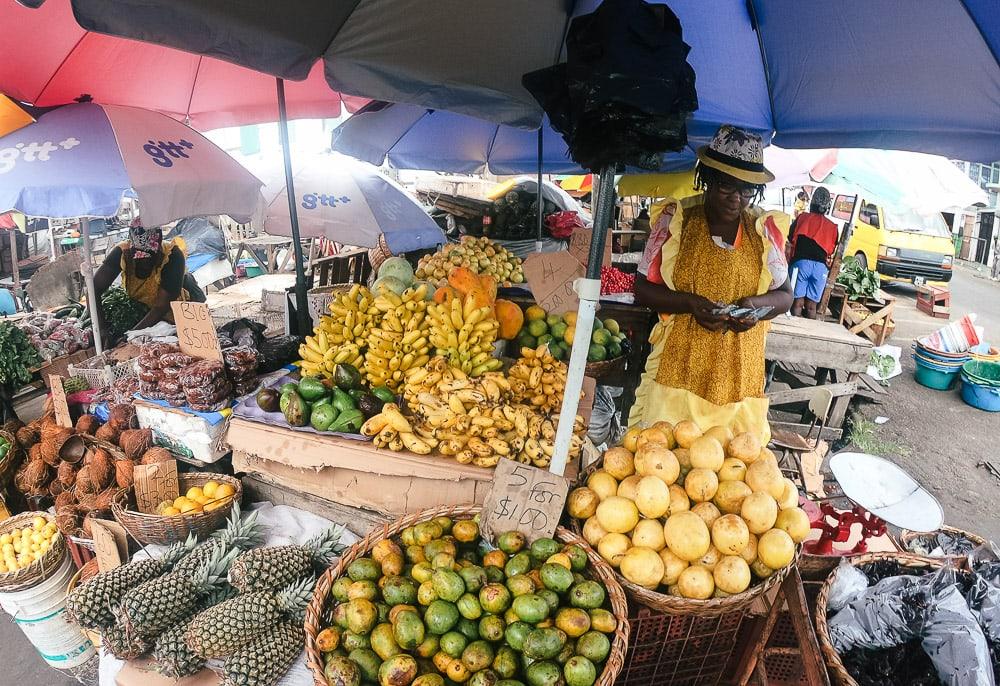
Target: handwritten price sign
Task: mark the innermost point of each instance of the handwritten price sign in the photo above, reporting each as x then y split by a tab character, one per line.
550	277
579	246
195	330
525	499
155	483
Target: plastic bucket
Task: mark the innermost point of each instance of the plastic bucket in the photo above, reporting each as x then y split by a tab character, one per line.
40	612
933	377
981	397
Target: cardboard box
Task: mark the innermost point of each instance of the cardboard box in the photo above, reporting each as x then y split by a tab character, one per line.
355	473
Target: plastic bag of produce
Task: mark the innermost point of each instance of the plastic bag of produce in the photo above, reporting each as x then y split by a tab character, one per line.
885	615
275	353
242	332
954	641
848	583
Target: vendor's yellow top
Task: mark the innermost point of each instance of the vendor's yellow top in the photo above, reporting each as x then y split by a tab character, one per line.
146	289
713	378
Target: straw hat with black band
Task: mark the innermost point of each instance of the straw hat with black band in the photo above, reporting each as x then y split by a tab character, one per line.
737	153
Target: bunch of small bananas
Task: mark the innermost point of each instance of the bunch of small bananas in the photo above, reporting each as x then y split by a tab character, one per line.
538	379
464	333
473	420
397	340
338	338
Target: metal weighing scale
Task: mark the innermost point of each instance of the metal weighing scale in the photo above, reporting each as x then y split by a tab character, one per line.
881	493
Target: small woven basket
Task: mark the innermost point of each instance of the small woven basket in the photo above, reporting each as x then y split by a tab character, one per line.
912	564
598	569
907	538
12	460
160	530
676	605
319	299
39	570
379	254
598	370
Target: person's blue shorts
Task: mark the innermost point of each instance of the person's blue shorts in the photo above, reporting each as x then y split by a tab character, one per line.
811	279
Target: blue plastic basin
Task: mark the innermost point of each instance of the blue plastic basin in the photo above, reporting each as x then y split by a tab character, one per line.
981	397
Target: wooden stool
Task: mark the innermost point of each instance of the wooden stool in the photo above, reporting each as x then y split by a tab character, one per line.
935	301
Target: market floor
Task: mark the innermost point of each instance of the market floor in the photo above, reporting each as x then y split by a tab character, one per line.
933	434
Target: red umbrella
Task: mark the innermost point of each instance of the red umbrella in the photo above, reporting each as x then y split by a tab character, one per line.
48	59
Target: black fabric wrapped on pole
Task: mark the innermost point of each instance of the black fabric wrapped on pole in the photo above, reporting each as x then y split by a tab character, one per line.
626	89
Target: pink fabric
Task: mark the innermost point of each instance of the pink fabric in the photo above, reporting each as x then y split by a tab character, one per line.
49	60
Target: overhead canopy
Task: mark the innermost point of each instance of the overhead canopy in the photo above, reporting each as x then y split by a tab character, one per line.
50	60
853	73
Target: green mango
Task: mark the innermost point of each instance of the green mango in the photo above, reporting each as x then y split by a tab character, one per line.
311	388
342	401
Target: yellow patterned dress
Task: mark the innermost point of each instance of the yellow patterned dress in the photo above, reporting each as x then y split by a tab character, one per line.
711	377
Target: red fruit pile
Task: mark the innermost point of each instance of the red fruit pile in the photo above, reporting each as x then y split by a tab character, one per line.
614	280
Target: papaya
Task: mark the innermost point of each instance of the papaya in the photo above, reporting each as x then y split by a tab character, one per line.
479	298
489	284
510	317
463	280
444	295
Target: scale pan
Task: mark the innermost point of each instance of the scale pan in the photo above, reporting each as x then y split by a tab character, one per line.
887	491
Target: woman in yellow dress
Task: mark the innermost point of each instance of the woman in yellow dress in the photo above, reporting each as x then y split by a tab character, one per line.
710	250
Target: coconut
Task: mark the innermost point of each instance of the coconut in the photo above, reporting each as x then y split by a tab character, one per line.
104	500
36	475
121	417
66	473
154	455
108	433
55	488
85	482
86	502
101	467
28	436
135	442
65	498
72	450
49	450
123	473
68	520
87	424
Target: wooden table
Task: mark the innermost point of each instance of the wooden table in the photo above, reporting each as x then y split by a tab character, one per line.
838	356
270	245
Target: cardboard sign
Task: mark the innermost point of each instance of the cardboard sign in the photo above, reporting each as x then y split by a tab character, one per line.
110	543
59	402
155	483
579	246
523	498
550	277
195	330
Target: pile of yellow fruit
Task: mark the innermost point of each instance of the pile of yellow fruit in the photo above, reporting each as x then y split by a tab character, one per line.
23	546
211	496
696	513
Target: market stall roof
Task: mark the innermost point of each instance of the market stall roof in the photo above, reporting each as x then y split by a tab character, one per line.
852	73
50	60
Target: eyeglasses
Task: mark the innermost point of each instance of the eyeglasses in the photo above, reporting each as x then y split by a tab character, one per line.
746	193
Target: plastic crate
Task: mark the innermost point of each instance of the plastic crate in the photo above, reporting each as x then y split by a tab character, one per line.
102	371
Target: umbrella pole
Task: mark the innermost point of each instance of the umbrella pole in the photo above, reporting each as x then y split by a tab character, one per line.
87	267
301	303
589	290
541	200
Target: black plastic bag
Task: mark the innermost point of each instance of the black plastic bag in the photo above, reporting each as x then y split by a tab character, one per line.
275	353
886	615
626	89
955	642
241	332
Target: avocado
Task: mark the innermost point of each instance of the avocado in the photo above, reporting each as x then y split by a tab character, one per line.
325	400
296	411
311	388
384	394
322	417
290	386
356	393
283	401
348	422
268	400
346	376
370	405
342	401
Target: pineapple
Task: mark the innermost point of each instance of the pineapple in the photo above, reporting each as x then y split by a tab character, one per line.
91	604
238	534
267	569
171	653
153	607
119	644
220	630
263	661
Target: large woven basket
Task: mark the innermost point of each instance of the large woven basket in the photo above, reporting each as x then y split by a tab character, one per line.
39	570
912	564
157	529
599	370
676	605
598	570
907	538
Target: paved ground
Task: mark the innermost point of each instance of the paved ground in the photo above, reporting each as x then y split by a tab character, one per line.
933	434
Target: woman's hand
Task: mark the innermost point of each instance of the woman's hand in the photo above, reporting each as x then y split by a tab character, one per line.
702	309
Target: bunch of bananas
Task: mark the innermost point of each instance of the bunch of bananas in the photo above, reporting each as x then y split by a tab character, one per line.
338	338
471	419
464	332
538	379
397	340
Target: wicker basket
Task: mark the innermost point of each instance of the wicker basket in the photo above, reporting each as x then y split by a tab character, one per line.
157	529
912	563
599	370
598	569
84	574
907	537
675	605
39	570
102	371
319	299
12	460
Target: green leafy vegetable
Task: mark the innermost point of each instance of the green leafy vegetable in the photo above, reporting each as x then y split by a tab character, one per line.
17	356
120	312
857	281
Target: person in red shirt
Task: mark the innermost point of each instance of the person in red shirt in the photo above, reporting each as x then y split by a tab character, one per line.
812	239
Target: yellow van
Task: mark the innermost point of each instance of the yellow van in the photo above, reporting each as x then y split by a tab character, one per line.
899	245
